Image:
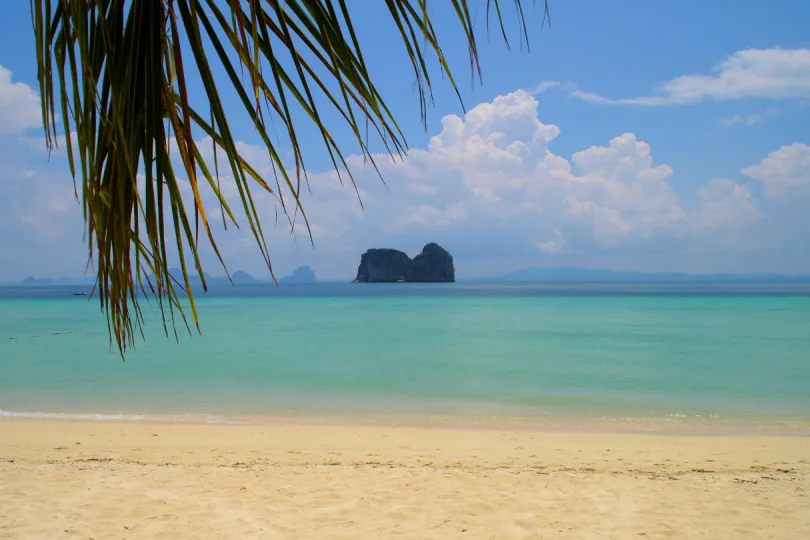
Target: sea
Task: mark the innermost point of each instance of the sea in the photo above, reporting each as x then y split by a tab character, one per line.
706	357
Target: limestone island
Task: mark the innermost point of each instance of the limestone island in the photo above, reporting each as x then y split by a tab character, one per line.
302	274
433	265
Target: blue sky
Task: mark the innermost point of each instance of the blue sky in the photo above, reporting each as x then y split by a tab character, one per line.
634	135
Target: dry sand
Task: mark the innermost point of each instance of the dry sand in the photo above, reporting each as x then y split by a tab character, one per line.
128	480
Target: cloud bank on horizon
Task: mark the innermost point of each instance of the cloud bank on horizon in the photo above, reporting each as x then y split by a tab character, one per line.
489	187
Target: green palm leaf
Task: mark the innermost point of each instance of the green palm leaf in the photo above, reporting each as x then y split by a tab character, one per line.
114	75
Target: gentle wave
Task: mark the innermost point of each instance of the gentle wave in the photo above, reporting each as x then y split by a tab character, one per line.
673	424
123	417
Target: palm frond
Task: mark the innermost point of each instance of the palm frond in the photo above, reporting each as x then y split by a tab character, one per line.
116	74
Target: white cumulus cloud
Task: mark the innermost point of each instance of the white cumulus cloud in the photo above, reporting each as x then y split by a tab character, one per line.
490	188
784	170
725	204
19	106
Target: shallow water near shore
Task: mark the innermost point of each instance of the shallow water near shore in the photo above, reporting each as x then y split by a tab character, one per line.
632	356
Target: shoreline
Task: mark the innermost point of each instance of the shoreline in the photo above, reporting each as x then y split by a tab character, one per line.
147	480
673	425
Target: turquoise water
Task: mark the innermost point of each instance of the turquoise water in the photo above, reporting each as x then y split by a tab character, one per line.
542	351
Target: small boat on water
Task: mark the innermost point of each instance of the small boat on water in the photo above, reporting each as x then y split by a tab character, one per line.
80	294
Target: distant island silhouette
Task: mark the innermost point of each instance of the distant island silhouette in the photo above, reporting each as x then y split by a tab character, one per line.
302	274
596	275
433	265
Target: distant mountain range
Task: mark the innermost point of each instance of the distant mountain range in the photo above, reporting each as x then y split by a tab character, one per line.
304	274
569	275
63	280
239	276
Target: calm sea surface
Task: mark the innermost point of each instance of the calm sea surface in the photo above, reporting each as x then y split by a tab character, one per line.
735	352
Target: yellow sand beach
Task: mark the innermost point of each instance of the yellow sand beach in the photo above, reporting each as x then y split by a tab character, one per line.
139	480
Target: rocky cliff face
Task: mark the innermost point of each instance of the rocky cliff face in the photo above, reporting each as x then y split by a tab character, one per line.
382	266
434	264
